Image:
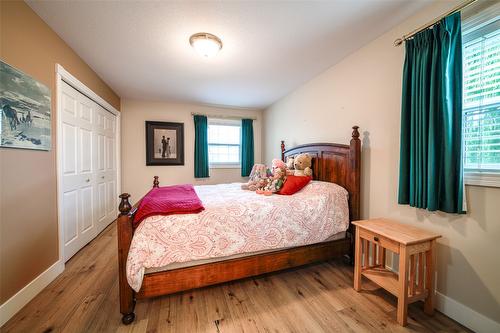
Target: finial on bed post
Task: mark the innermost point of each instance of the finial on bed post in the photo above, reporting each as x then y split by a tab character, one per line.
355	133
125	205
283	150
156	182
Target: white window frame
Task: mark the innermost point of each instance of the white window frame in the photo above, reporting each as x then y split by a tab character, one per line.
482	178
230	122
475	23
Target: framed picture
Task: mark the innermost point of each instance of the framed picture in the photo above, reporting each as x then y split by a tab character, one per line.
25	120
164	143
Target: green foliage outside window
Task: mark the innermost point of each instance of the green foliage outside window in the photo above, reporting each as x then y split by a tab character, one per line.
482	102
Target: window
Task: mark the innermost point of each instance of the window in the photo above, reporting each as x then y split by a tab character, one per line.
481	104
224	143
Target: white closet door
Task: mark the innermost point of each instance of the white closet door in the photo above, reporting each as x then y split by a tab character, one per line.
106	166
100	136
84	172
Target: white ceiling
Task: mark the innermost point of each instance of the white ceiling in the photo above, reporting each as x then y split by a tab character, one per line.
141	48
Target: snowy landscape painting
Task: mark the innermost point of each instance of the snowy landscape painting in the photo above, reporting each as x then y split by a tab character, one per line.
25	106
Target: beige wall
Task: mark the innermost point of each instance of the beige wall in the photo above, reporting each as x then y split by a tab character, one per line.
137	178
365	89
28	204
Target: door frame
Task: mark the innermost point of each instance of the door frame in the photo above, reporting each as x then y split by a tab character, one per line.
63	75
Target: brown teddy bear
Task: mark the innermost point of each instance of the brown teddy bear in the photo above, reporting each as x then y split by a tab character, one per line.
302	165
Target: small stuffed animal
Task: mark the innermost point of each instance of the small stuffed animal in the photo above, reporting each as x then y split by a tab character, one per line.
278	164
278	177
302	164
276	182
258	178
261	185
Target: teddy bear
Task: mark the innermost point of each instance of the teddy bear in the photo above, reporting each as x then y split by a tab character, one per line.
258	178
302	165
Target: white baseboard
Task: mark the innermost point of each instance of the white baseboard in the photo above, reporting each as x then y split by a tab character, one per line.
23	296
465	315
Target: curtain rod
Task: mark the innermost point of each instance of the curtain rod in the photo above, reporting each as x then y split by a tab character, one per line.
222	116
400	41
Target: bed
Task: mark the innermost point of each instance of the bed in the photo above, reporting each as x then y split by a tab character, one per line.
207	264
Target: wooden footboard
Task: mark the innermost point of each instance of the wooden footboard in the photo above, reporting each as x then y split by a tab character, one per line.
125	234
125	229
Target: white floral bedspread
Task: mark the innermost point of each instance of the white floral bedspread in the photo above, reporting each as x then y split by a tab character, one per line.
236	222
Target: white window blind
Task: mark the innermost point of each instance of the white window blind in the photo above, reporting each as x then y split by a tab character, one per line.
481	104
224	141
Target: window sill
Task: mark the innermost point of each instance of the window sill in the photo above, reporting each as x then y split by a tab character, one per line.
224	166
489	179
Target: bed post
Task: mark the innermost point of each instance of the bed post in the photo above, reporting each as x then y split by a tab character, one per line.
125	233
283	150
355	184
156	182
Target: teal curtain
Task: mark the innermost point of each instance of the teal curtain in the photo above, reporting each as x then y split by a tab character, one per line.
200	147
431	170
246	147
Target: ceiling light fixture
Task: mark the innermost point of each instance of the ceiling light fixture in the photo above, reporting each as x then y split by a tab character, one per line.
207	45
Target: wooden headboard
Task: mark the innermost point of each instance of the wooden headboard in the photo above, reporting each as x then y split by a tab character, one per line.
335	163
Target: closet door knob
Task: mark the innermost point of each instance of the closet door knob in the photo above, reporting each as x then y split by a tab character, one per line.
88	180
102	177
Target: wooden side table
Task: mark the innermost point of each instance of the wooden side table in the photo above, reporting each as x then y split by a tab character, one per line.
416	249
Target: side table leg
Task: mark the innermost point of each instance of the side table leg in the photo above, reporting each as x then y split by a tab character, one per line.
430	263
403	286
357	262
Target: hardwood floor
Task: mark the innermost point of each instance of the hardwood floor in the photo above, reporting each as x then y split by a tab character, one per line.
316	298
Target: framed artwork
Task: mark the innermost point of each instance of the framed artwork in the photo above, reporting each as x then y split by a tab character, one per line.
164	143
25	120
